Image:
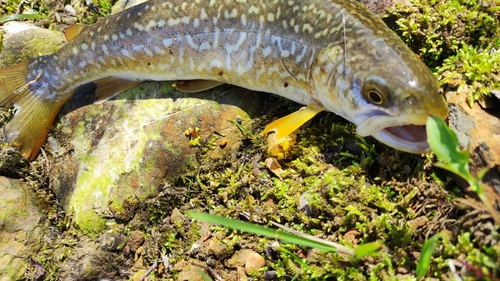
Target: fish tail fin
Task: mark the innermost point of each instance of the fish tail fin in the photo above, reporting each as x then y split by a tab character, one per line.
28	128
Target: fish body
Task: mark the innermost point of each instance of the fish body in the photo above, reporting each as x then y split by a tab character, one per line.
331	55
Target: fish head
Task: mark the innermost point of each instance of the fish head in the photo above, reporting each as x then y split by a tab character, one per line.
385	89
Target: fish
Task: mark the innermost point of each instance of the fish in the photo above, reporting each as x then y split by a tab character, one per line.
331	55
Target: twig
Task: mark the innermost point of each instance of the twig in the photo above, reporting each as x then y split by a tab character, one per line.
153	267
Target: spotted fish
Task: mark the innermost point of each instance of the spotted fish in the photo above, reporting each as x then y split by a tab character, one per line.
332	55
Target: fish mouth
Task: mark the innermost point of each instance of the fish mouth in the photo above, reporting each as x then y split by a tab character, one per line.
408	135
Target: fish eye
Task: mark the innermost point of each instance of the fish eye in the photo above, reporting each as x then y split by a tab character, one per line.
376	92
375	97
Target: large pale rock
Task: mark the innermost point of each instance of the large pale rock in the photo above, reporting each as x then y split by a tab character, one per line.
19	230
128	147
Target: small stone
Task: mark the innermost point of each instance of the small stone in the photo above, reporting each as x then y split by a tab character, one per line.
113	242
191	272
176	216
218	250
136	240
239	258
240	271
180	265
254	262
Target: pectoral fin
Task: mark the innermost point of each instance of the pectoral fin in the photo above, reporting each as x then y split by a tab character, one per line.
197	85
74	30
288	124
109	87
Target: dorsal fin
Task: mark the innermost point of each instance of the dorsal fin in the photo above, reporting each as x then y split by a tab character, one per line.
74	30
109	87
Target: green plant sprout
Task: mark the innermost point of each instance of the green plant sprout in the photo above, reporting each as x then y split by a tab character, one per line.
444	142
426	254
302	240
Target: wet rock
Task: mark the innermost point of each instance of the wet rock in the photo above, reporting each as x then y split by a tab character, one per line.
254	262
19	230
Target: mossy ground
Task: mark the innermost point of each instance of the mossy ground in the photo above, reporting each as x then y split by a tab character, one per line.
334	184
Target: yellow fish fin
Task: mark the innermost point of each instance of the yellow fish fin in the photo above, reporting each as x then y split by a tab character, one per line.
288	124
109	87
74	30
30	124
197	85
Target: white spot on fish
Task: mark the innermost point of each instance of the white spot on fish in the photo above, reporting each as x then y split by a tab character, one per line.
270	17
82	64
253	10
138	26
159	51
203	14
105	49
137	48
299	57
128	32
230	15
173	22
161	23
196	22
148	52
307	27
75	51
266	51
167	42
150	25
215	64
126	53
185	20
204	46
114	37
216	38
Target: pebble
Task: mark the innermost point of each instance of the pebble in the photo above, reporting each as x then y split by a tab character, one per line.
254	262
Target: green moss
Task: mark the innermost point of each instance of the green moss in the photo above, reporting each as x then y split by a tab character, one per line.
459	38
476	72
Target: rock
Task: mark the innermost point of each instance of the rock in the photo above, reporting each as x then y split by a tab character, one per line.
176	217
136	240
218	250
127	147
19	231
191	271
239	258
254	262
113	241
23	41
478	130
